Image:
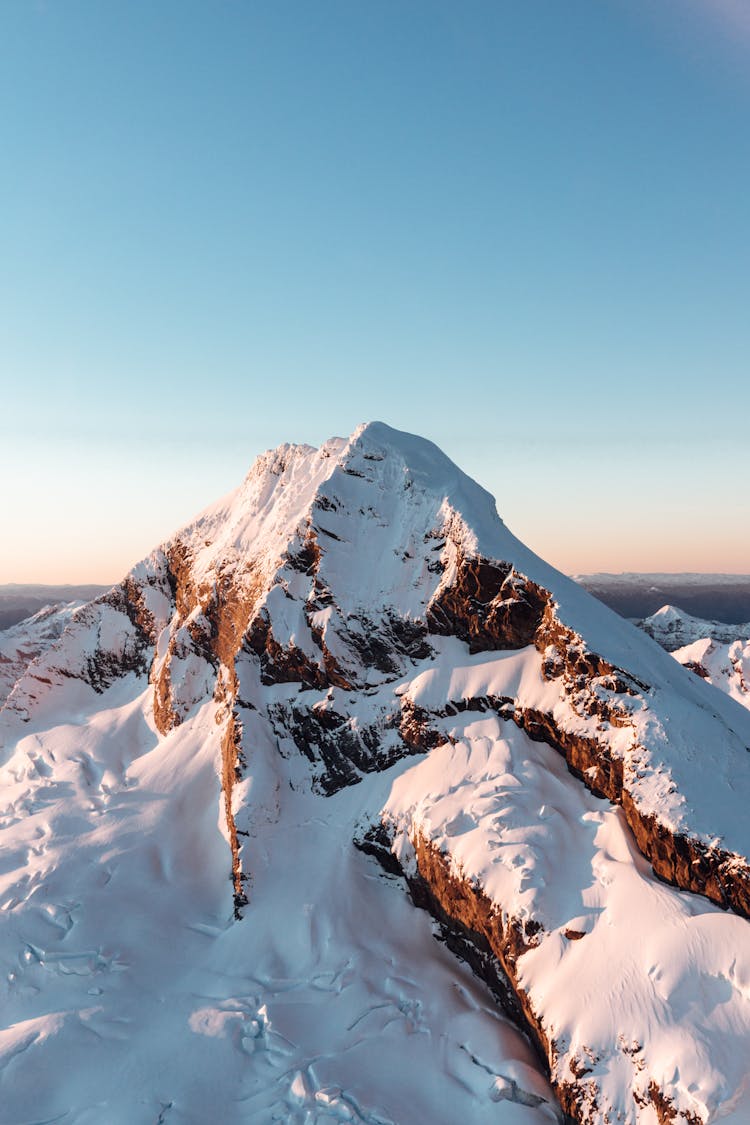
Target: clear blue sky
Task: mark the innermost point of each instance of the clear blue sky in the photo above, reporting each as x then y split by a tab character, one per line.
521	229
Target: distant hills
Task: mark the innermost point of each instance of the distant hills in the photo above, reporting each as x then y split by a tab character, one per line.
19	600
714	597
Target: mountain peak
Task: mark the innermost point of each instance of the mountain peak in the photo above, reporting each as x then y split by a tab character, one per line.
674	628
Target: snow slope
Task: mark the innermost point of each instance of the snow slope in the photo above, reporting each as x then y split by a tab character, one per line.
130	995
188	930
635	983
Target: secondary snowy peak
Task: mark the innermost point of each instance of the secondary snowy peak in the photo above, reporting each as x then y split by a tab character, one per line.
352	607
673	628
25	642
716	651
725	666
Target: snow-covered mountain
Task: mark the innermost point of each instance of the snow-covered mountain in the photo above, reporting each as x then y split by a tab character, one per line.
673	628
726	666
717	652
21	600
24	642
344	679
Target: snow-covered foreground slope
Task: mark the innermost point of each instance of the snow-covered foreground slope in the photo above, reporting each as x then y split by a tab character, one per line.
351	648
131	995
634	989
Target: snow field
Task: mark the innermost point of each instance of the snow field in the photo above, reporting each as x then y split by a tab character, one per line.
130	996
653	984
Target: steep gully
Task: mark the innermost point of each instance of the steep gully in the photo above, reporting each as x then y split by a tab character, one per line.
491	607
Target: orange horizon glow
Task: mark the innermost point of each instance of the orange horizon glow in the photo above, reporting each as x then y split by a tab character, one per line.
104	569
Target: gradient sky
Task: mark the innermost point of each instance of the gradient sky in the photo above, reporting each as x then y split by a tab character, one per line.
520	229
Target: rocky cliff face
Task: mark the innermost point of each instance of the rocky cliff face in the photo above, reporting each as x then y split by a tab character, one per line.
362	604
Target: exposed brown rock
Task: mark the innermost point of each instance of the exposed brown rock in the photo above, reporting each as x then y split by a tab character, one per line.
666	1112
232	763
306	557
334	675
278	664
129	598
490	606
459	903
685	862
416	728
216	616
180	576
720	876
165	717
184	597
589	759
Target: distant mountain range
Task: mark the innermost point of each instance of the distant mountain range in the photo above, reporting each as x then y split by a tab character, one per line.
718	597
21	600
22	643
